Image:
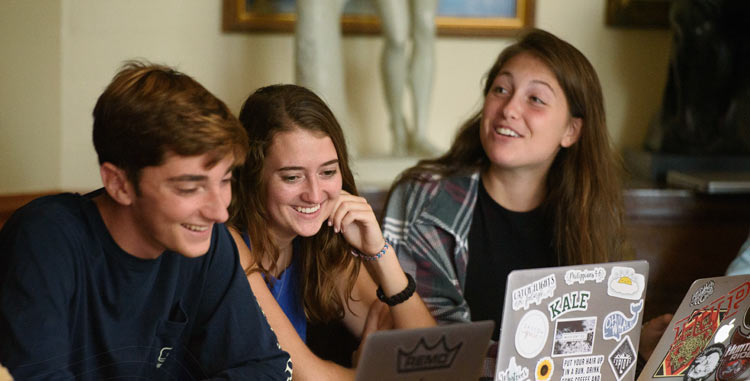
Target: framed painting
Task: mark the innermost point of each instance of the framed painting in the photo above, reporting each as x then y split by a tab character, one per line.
455	17
638	13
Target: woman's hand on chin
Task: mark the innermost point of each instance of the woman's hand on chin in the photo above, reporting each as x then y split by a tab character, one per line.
353	217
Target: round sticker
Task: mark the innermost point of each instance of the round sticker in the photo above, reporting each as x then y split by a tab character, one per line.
531	334
544	369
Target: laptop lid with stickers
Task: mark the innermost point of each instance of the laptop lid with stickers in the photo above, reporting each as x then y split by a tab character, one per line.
709	335
448	352
572	323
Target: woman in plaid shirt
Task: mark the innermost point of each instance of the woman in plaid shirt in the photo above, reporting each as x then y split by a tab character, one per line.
531	180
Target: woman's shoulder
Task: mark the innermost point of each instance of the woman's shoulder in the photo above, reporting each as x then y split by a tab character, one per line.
432	183
418	192
247	260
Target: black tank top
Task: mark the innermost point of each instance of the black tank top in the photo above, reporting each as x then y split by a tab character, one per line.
500	241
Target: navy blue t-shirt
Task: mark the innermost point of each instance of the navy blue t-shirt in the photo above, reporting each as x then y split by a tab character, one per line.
73	304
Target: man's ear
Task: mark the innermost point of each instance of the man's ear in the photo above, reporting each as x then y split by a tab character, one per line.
117	184
572	132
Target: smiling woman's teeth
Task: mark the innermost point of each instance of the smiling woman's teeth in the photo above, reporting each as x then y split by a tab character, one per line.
506	132
309	210
195	228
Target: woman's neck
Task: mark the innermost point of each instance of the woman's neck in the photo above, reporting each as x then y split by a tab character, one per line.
285	249
518	191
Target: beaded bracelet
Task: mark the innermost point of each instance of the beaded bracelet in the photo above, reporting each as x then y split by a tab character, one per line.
402	296
366	257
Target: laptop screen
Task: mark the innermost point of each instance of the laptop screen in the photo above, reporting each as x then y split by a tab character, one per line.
572	323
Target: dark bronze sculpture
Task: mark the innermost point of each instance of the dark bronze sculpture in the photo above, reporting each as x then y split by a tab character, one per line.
706	103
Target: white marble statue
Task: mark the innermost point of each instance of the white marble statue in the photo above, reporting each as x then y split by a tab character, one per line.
399	18
318	59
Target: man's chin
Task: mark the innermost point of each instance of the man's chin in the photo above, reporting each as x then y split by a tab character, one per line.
194	251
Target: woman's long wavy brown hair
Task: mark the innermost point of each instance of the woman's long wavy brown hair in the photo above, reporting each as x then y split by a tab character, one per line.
584	183
324	256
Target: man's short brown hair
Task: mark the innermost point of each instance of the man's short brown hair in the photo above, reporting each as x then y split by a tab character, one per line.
150	110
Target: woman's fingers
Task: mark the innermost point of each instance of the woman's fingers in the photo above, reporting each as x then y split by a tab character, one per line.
354	218
349	209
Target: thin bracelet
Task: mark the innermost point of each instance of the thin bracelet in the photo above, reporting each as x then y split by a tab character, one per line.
366	257
402	296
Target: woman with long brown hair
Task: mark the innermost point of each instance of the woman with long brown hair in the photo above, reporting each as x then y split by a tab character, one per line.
303	232
531	180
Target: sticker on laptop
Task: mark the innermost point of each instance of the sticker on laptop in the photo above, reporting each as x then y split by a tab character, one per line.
534	292
691	335
722	334
572	301
531	333
574	336
625	283
735	362
426	357
701	294
513	372
596	274
544	369
616	324
622	358
587	368
705	364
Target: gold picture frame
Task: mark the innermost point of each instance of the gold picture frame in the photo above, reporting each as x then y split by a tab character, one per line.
638	13
237	18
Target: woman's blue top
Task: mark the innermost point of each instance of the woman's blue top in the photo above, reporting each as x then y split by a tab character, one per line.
285	290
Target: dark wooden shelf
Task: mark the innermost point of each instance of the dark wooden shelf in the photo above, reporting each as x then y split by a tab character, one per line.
684	236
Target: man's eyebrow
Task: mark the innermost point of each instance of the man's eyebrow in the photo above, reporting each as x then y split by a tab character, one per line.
188	178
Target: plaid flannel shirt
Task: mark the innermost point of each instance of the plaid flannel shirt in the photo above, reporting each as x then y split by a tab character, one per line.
428	224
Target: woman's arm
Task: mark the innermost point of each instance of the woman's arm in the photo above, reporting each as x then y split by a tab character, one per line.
307	366
354	218
427	250
411	313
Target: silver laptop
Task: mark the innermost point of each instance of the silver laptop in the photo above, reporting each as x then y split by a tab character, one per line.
572	323
448	352
709	336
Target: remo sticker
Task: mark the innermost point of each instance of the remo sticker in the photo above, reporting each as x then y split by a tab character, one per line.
531	334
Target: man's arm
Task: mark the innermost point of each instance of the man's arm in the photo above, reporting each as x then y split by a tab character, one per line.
36	284
233	339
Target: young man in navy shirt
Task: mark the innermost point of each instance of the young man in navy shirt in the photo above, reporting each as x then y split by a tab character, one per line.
140	278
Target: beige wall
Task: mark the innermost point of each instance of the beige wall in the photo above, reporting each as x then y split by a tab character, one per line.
29	95
60	54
